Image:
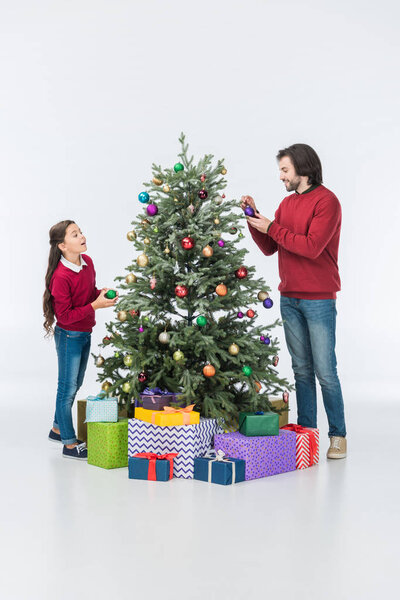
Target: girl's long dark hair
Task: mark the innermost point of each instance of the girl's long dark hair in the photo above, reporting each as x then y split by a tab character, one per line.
57	235
305	161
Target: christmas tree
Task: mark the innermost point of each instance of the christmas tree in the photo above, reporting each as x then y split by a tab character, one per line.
186	313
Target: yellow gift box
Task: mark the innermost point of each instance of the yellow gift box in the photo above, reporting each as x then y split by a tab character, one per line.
169	417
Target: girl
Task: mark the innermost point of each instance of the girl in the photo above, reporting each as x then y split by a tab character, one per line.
72	297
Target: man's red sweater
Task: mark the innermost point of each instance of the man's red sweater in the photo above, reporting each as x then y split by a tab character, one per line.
305	232
72	294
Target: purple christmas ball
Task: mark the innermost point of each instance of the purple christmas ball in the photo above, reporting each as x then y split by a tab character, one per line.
221	243
268	303
249	212
152	210
262	338
267	340
141	329
240	315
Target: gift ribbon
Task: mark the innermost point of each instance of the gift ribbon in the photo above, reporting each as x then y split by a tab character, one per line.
155	392
169	410
100	396
219	456
301	429
152	457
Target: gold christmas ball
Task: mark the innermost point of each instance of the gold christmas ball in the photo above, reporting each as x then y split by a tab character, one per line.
145	223
128	360
178	355
131	235
146	241
223	171
122	315
167	251
143	260
207	251
166	188
126	387
106	386
99	361
130	278
176	199
157	181
262	295
217	221
233	349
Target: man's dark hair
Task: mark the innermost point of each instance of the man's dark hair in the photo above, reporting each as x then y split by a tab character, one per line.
305	161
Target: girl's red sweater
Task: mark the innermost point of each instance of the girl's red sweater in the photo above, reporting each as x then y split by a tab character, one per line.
305	232
72	294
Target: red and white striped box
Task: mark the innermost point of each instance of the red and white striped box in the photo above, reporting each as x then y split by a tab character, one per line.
307	445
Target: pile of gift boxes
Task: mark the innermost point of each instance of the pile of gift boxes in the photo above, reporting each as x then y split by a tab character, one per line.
167	439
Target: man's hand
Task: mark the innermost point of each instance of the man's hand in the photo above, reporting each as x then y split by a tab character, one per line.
248	201
259	222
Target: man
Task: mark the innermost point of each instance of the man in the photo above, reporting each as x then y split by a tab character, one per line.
306	232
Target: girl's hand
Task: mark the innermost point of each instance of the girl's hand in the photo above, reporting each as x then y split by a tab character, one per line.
103	302
248	201
259	222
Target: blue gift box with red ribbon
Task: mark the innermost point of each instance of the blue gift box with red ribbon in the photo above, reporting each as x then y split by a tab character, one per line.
152	467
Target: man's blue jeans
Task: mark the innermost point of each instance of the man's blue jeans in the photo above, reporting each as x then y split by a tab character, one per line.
310	337
73	348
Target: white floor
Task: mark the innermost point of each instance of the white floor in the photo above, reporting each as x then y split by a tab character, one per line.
70	530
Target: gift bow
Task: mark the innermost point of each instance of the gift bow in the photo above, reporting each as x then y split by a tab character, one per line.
309	432
219	456
100	396
152	457
156	392
170	410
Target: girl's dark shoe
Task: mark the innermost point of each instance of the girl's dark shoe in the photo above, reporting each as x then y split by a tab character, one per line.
78	452
54	437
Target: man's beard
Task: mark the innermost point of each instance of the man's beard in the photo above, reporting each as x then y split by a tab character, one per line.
293	185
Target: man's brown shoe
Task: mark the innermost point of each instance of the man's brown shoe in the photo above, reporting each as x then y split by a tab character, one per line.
338	447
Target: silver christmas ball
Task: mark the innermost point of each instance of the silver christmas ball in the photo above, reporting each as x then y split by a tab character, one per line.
164	337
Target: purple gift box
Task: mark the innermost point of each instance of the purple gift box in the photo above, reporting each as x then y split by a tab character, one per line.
264	455
156	399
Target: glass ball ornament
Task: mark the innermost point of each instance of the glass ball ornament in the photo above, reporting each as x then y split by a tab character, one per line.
203	194
141	329
145	223
130	278
187	243
247	370
233	349
164	337
240	315
178	167
203	177
262	295
275	361
250	313
106	386
209	370
167	250
249	211
218	200
142	376
262	338
178	355
146	241
240	235
191	209
285	397
267	340
233	230
221	289
217	221
221	243
181	291
241	273
207	251
155	229
99	361
122	315
111	294
152	210
268	303
131	236
126	387
201	321
257	385
106	340
223	171
128	360
142	260
157	181
166	188
144	197
116	354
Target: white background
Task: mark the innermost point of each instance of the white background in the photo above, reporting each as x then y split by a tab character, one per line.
93	92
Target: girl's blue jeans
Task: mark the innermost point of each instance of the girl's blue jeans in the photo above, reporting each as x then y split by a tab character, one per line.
73	348
309	327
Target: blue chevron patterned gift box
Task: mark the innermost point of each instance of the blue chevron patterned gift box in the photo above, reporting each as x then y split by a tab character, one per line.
190	441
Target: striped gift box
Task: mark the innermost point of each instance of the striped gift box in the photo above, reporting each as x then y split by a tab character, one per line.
307	445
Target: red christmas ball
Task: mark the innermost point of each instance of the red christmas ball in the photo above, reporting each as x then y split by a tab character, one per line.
241	273
250	313
203	194
181	291
203	178
187	243
134	313
142	377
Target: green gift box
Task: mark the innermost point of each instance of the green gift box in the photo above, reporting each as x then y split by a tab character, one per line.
259	423
107	444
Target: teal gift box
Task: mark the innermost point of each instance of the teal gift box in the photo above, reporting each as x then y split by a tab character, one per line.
100	409
216	467
258	423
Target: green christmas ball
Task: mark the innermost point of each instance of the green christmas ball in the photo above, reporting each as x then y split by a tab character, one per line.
111	294
128	360
126	387
201	321
241	235
178	355
155	229
178	167
247	370
116	354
